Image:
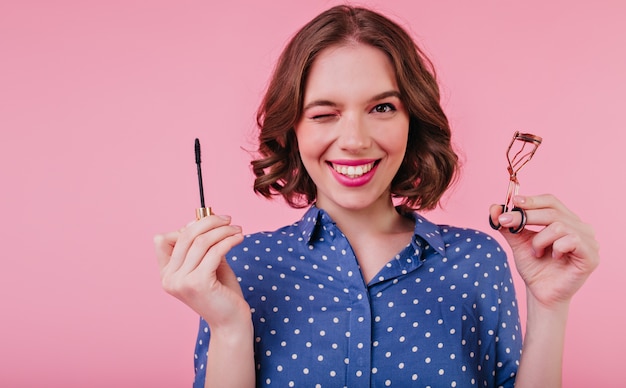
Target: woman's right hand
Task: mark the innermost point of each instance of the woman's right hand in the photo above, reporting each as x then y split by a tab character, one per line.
194	270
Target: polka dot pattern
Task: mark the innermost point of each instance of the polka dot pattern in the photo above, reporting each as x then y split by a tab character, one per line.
441	313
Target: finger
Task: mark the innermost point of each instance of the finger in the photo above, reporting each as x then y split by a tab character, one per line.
544	201
538	216
565	240
205	242
513	219
548	236
577	246
220	249
494	213
186	226
568	244
190	232
164	245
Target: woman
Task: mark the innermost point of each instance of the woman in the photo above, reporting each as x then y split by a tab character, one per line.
361	292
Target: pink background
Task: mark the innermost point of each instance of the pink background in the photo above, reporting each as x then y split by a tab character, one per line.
99	106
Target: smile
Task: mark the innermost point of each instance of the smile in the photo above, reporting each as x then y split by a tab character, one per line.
353	171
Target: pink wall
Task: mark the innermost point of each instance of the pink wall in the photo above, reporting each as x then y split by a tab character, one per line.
99	106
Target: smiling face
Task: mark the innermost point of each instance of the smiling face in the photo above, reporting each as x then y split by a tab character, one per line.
353	132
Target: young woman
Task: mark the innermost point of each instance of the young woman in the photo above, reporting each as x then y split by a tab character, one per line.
360	292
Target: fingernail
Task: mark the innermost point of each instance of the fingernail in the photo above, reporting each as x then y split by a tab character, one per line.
519	199
225	218
505	218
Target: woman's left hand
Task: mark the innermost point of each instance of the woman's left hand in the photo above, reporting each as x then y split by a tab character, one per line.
555	261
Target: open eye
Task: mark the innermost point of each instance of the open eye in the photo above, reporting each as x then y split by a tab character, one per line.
384	108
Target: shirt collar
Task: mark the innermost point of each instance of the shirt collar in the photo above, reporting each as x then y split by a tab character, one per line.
315	218
430	232
311	222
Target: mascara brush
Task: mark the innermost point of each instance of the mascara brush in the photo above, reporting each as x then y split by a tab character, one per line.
202	211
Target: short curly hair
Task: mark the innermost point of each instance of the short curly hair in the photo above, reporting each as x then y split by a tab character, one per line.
430	164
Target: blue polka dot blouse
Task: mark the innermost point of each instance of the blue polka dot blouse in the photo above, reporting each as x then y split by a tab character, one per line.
441	313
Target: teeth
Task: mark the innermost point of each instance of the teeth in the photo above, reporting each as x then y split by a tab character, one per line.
353	171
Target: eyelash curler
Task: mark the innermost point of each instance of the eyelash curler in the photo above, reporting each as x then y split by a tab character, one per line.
521	149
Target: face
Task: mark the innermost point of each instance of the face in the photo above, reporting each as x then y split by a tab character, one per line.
353	132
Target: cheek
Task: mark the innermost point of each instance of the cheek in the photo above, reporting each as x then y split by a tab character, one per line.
307	153
311	143
310	157
305	147
395	144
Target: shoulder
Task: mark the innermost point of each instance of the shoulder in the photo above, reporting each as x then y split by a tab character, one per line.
467	248
454	241
461	239
274	242
282	240
255	240
475	252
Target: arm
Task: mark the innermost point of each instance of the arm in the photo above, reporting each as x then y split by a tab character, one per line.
541	363
230	362
554	263
194	270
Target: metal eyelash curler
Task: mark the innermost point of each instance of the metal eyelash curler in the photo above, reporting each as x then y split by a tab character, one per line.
517	154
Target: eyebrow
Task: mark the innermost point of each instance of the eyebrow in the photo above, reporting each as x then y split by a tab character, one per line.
381	96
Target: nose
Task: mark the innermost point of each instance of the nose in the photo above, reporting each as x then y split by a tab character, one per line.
353	134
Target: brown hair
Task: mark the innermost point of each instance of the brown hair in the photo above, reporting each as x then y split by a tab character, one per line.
430	164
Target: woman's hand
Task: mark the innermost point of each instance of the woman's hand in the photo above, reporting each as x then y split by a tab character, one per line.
194	269
555	261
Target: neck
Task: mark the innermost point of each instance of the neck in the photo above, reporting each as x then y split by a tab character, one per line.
379	218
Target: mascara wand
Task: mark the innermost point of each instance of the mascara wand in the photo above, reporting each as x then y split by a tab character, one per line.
202	211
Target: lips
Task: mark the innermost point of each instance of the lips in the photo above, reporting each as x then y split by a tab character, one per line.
353	173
